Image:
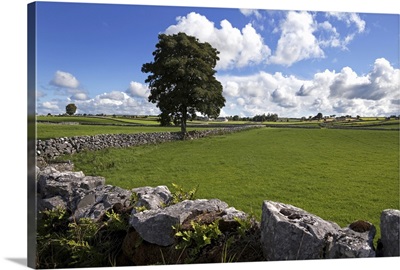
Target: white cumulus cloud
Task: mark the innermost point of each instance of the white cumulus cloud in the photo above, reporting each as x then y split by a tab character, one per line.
251	12
329	92
297	41
351	19
354	24
113	96
116	102
50	105
64	80
138	90
238	48
79	96
382	82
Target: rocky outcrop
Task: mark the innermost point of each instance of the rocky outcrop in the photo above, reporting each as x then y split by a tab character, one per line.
290	233
389	244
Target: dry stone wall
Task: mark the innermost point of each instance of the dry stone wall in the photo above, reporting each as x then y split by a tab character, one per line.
284	233
52	148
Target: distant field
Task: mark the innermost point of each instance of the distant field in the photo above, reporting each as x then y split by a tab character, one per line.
99	120
48	131
387	124
152	120
370	123
68	126
339	175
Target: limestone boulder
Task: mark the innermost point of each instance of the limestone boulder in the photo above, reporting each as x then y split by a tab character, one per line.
290	233
155	226
354	241
52	182
390	233
152	198
84	196
95	202
51	203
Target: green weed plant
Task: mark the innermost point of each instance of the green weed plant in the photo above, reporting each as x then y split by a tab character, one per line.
197	238
62	243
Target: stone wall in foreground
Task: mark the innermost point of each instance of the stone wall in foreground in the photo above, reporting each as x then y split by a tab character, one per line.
284	233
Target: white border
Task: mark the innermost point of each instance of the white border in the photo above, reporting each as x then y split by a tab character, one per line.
13	247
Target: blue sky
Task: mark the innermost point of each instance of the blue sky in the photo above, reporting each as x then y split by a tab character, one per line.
293	63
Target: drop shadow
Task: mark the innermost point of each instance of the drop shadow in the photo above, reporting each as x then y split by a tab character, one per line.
20	261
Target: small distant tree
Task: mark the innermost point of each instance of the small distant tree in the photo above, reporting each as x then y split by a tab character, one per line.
319	116
259	118
273	117
70	109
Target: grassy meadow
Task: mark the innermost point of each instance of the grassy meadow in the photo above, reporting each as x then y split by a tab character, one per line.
49	127
48	131
339	175
107	120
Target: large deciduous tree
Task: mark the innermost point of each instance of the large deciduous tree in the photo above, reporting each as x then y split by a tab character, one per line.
182	80
70	109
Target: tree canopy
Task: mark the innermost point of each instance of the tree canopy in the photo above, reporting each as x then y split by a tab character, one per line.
182	80
70	109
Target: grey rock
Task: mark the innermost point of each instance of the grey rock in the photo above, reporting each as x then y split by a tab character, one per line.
86	201
84	196
155	226
152	198
94	203
231	213
390	232
354	243
91	182
111	195
58	183
51	203
290	233
63	166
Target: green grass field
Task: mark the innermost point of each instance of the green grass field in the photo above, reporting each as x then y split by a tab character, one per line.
339	175
99	120
388	124
48	131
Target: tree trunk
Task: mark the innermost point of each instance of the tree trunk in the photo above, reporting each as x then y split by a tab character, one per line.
183	123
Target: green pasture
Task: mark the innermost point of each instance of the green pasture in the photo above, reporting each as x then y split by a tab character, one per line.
99	120
47	131
77	119
291	123
339	175
121	120
387	124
